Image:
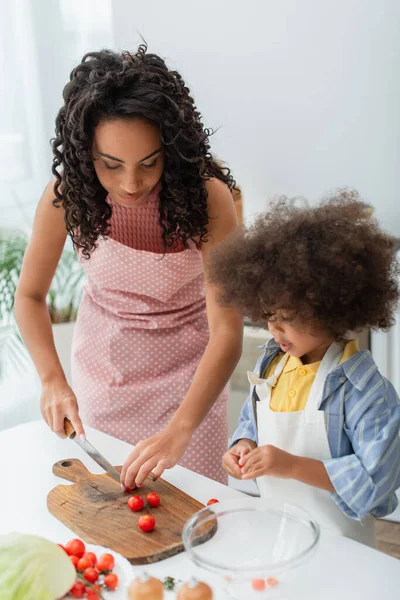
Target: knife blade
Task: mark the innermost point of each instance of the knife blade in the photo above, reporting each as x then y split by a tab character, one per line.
92	452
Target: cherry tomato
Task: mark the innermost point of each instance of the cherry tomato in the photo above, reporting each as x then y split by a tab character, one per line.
153	499
91	575
147	523
84	563
78	590
93	593
212	501
105	563
76	548
62	548
135	503
258	585
128	489
92	557
272	582
74	560
111	581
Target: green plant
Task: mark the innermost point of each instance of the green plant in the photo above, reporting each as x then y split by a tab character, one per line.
62	300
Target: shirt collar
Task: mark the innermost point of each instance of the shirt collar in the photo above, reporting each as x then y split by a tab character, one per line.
359	369
294	363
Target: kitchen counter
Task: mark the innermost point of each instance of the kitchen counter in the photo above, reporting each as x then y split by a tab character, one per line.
341	569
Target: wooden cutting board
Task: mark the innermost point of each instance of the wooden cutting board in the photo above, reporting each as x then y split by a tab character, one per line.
96	509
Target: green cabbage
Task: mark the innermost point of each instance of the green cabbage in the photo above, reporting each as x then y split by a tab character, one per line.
32	568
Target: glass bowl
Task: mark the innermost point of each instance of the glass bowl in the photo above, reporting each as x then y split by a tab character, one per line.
256	546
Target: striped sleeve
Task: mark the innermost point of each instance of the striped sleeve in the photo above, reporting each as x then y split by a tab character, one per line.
366	481
247	425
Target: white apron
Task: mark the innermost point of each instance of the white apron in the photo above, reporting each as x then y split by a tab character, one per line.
303	433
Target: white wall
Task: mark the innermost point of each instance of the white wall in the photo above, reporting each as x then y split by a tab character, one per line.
40	43
306	92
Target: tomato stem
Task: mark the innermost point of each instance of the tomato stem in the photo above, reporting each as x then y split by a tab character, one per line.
88	584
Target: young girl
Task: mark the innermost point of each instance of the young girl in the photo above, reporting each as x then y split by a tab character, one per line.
140	194
320	427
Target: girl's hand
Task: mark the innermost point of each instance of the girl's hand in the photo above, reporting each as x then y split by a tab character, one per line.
57	402
268	460
153	455
233	459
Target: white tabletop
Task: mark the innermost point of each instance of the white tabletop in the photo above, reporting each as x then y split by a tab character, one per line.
341	569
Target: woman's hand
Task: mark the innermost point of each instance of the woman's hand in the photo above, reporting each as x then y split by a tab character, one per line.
153	455
268	460
57	402
233	459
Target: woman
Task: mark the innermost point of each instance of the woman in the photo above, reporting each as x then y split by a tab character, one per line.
144	202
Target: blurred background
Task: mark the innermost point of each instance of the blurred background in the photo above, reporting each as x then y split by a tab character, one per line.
304	97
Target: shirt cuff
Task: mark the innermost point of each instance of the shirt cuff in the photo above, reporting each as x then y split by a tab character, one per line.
343	472
246	430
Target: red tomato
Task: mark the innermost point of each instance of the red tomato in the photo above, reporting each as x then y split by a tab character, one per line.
153	499
75	560
84	563
147	523
105	563
272	582
78	590
128	489
93	593
135	503
111	581
76	548
212	501
92	557
91	575
258	585
62	547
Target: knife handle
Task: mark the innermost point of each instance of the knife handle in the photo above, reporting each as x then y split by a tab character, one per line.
69	428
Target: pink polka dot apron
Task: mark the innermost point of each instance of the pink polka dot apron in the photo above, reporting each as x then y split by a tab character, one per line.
140	334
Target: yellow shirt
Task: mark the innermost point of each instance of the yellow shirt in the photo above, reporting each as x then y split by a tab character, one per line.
294	384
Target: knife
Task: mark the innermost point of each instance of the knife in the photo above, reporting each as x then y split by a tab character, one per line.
92	452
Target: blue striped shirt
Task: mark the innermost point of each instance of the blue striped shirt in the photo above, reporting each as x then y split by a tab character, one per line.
362	417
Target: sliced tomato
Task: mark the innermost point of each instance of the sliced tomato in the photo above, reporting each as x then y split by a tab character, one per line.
212	501
258	584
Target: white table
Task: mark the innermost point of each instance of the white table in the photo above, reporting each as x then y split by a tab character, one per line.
341	569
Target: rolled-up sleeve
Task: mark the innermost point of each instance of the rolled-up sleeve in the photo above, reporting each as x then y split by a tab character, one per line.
366	481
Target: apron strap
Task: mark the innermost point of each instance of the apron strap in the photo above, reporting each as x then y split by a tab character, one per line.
329	363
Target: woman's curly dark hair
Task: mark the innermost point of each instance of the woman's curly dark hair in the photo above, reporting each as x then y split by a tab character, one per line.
330	265
107	85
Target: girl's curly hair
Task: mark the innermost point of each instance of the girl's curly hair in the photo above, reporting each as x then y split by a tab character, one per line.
330	265
107	85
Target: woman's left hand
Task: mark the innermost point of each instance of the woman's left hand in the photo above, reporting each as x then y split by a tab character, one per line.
153	455
268	460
